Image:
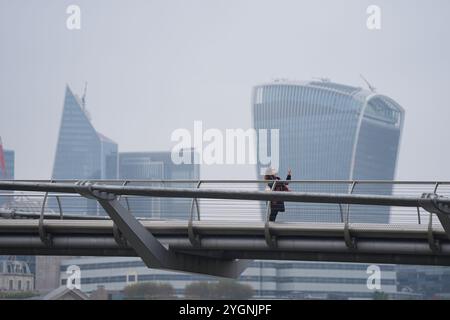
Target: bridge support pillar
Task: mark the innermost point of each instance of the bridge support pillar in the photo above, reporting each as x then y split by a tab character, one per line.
153	253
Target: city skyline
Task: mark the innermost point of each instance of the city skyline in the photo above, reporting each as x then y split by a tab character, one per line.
171	75
339	278
105	140
132	133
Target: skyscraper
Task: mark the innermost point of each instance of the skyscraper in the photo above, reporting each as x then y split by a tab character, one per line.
330	131
157	166
82	153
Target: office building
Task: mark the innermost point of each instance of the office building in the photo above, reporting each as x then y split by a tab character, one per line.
157	166
15	276
82	153
330	131
8	173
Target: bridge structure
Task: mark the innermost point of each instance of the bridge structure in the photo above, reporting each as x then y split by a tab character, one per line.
224	224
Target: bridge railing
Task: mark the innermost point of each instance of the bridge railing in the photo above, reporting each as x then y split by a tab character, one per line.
29	204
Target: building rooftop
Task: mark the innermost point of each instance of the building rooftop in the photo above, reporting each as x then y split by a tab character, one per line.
323	83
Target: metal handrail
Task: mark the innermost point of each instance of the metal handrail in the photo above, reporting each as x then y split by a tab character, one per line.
244	195
242	181
293	196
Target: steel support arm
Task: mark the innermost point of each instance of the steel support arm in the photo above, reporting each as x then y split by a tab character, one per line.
154	254
432	204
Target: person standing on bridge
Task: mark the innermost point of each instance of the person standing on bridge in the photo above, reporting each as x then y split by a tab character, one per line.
276	206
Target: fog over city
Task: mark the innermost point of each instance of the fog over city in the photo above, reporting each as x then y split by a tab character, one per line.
156	66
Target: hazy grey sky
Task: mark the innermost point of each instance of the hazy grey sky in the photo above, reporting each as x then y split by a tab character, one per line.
155	66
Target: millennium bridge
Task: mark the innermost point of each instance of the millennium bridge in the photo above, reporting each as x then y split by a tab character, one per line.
217	227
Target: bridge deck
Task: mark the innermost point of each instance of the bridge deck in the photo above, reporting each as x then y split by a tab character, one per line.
341	231
375	243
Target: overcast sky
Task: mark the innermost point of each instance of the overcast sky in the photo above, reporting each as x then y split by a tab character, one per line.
155	66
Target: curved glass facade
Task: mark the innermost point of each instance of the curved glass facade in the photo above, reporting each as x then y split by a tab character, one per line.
331	131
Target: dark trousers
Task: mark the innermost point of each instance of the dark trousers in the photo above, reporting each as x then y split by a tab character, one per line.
273	214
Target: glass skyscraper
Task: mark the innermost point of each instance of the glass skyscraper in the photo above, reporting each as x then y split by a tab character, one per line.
82	153
330	131
157	166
